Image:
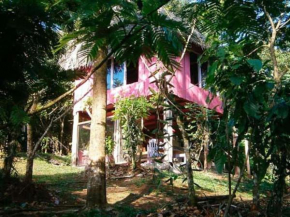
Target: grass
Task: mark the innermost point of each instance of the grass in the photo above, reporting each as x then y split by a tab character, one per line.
212	183
45	172
66	181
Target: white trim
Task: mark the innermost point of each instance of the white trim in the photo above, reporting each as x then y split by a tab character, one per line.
199	74
75	140
84	122
168	148
112	73
125	74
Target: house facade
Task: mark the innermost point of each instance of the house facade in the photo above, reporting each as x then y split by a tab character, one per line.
125	80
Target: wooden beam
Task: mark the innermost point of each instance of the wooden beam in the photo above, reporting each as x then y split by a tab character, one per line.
75	137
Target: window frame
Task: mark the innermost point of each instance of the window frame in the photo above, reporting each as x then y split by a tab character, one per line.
112	74
199	73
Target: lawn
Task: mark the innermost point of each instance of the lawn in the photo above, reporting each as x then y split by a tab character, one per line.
68	185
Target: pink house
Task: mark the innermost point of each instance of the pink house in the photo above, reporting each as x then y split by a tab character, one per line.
127	80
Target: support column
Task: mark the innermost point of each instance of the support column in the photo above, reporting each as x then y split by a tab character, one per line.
75	137
118	149
168	148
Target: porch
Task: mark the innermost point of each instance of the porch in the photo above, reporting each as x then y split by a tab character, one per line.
172	146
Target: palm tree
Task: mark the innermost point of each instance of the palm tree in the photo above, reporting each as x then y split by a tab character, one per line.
125	30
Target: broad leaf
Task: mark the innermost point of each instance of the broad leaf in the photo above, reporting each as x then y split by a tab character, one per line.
256	64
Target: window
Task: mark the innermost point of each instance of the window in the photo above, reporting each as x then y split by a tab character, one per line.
194	68
203	73
132	73
118	74
197	71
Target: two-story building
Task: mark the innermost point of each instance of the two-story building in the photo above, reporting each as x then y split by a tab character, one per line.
125	80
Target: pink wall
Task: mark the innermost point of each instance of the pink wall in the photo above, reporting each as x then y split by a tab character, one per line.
181	82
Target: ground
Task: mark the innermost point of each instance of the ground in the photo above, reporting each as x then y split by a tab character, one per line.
144	193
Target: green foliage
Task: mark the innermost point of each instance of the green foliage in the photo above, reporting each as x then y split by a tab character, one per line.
128	31
251	78
130	111
28	33
109	145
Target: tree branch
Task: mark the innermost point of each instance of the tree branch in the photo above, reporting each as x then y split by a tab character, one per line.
284	24
272	44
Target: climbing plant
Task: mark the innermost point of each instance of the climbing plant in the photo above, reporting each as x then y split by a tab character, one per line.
130	111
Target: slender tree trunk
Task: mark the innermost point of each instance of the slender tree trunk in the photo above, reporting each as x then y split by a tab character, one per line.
231	198
96	188
206	164
256	191
30	155
8	161
275	205
61	136
190	182
247	146
229	168
256	180
133	160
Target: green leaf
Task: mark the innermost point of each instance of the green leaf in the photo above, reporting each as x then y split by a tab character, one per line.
256	64
263	166
270	85
252	109
213	68
220	160
221	53
259	90
236	80
236	66
281	110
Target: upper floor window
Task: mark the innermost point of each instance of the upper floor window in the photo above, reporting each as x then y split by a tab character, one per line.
120	74
197	71
194	69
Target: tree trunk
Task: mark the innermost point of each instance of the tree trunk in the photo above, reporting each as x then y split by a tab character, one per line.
247	145
191	191
275	205
61	136
256	191
29	169
8	161
133	160
30	155
96	188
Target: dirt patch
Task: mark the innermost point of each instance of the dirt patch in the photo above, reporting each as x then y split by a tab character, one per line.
138	192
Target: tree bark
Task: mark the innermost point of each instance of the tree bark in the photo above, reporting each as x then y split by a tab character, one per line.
29	162
190	182
133	160
247	146
30	152
256	191
96	188
8	161
61	136
275	207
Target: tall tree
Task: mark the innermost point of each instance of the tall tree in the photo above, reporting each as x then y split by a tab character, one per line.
28	33
125	30
252	87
